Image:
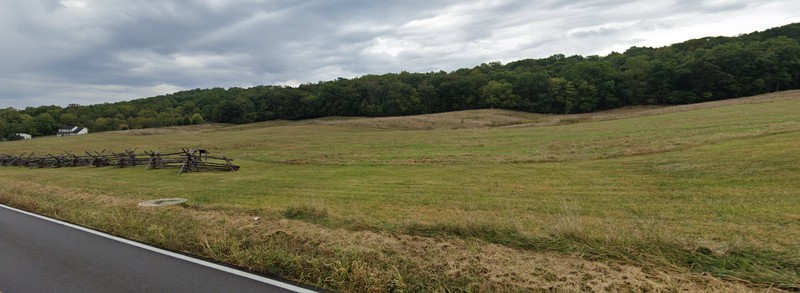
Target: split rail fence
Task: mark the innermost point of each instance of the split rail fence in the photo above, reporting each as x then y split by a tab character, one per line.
187	160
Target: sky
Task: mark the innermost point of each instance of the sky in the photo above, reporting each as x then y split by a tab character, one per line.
60	52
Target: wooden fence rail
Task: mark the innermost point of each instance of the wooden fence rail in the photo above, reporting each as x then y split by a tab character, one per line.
187	160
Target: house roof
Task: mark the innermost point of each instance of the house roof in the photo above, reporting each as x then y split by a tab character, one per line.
70	129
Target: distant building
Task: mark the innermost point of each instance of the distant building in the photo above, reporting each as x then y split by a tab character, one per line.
24	135
72	130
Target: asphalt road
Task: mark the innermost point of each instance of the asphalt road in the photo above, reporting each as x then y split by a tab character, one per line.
38	255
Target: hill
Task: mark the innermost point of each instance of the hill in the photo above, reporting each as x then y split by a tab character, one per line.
706	69
693	197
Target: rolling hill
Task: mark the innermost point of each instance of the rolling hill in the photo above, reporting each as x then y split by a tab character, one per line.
696	197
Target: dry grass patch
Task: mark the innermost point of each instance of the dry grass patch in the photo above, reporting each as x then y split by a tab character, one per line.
173	129
643	111
354	261
443	121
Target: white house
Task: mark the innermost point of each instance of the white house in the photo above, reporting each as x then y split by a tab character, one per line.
72	130
24	135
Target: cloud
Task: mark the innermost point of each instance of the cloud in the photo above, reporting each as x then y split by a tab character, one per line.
90	51
37	90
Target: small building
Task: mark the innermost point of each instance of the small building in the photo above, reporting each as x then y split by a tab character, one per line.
72	130
24	135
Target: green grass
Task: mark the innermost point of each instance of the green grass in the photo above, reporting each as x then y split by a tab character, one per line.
709	190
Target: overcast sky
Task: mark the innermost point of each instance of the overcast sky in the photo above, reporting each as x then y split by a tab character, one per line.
93	51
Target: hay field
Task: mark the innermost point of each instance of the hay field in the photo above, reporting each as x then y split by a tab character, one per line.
701	197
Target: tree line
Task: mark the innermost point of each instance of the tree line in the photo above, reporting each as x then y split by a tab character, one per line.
698	70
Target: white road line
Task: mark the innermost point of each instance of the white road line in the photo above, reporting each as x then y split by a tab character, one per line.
170	253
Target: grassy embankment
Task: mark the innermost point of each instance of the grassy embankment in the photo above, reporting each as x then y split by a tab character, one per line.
701	197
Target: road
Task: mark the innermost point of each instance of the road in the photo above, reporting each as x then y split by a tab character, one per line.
43	255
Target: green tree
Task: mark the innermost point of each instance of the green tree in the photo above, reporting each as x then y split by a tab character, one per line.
102	124
532	88
401	98
197	119
226	112
427	95
499	94
563	93
69	119
600	89
4	129
779	62
586	97
636	71
42	124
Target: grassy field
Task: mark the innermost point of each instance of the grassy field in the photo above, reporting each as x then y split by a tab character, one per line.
701	198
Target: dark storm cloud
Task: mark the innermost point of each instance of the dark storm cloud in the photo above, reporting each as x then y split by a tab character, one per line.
90	51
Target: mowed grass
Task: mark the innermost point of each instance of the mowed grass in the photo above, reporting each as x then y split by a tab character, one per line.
708	190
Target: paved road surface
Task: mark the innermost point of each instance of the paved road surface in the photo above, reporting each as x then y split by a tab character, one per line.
38	255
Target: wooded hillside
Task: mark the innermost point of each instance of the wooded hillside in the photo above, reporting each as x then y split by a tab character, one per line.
705	69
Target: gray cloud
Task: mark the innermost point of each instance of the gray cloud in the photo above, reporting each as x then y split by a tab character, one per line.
91	51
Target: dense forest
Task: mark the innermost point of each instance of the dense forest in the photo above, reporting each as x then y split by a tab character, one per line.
705	69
